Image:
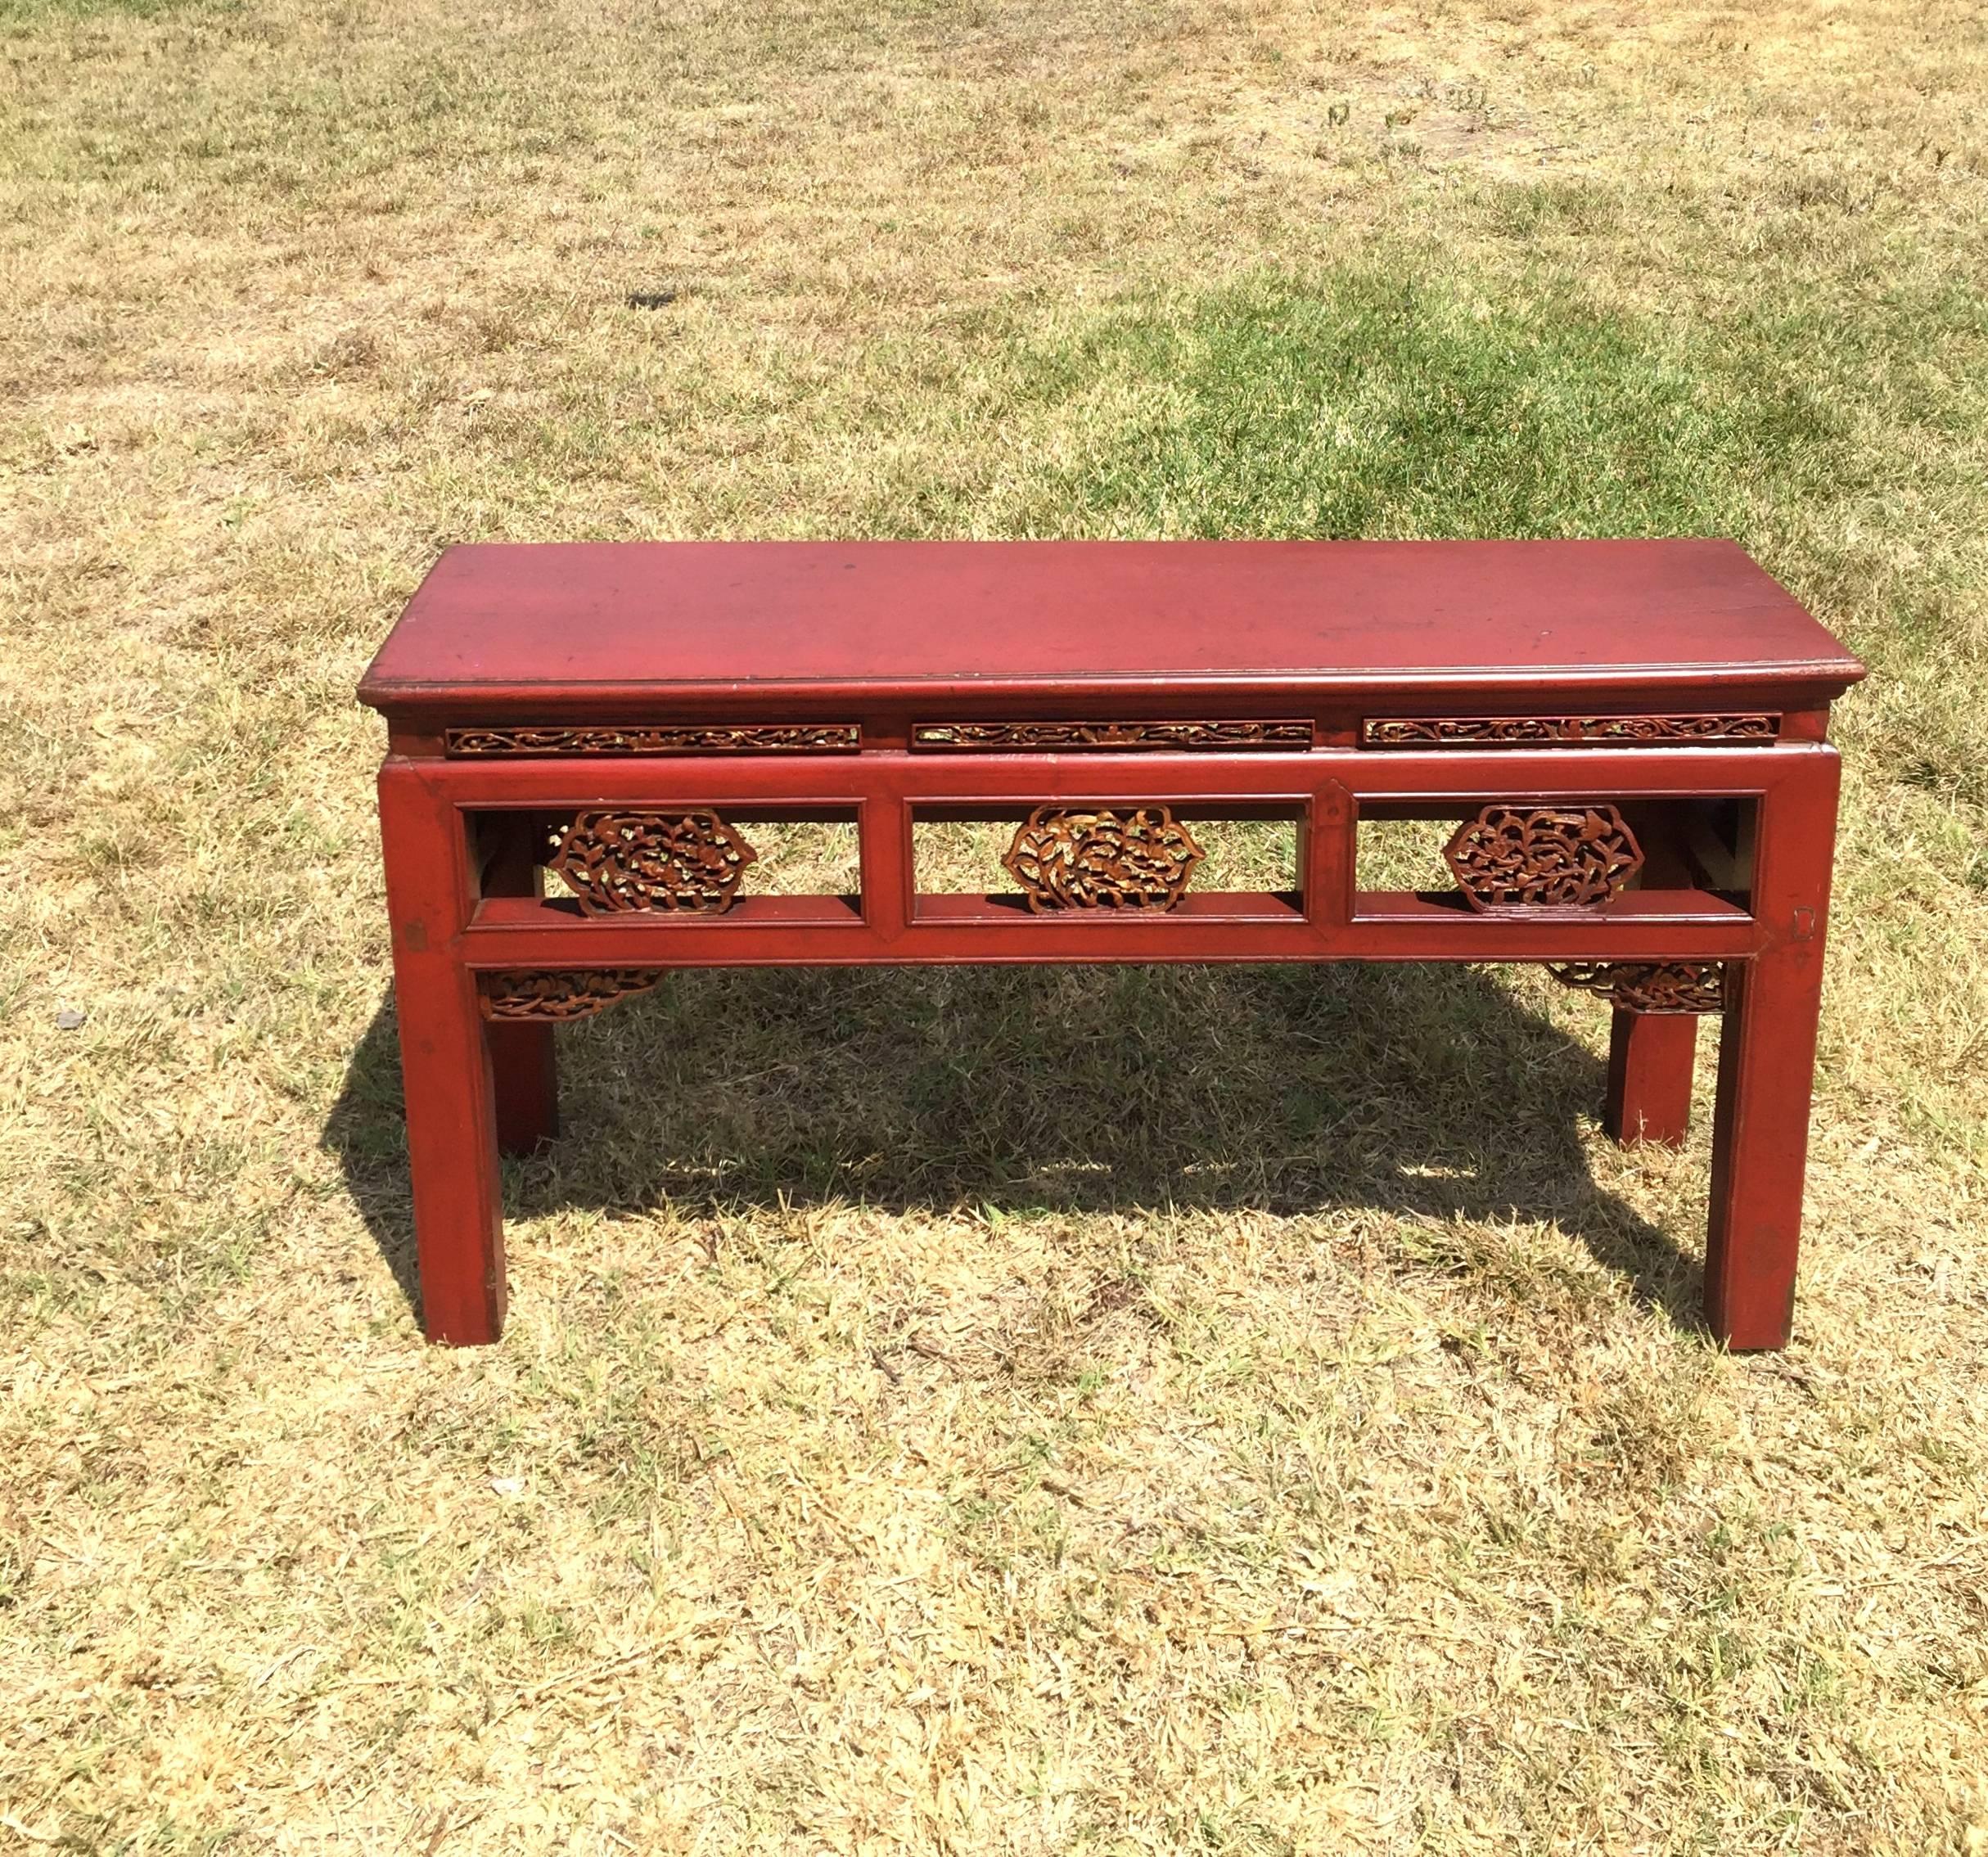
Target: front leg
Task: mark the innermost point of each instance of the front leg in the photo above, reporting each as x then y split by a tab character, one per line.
445	1064
1767	1066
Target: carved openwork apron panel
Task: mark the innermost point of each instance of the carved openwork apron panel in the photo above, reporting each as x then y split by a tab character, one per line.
1130	858
994	737
1511	857
1650	986
569	993
686	738
1519	732
616	861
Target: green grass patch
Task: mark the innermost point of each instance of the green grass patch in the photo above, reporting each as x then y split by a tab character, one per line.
1382	403
1379	405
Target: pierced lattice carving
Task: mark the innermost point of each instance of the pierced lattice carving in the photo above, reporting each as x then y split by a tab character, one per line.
990	738
1137	858
1542	856
1650	986
616	861
1519	732
571	993
698	738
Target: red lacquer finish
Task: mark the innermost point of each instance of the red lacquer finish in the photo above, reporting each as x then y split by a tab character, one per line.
1766	1062
628	712
524	1074
529	631
445	1063
1650	1056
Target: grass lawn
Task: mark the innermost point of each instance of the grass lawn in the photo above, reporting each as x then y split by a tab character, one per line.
1107	1411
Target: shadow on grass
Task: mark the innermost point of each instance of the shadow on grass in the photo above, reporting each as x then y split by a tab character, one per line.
1426	1092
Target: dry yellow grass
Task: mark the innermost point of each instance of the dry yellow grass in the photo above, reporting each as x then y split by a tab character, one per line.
1117	1412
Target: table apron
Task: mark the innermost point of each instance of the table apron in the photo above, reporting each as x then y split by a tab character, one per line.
1324	789
1175	779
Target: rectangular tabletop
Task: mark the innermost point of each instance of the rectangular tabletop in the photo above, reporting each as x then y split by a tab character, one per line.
518	630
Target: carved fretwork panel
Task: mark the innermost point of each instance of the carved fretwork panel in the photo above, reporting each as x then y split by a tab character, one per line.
1133	858
992	737
616	861
1520	732
701	738
1650	986
575	993
1542	856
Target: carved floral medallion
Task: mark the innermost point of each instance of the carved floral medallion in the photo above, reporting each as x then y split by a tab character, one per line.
1127	858
1528	858
618	861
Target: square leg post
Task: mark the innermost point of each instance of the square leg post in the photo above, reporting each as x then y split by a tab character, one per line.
1767	1065
1651	1055
444	1061
525	1077
524	1062
1650	1060
884	846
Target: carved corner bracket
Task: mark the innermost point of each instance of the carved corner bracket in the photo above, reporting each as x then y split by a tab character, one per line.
1129	858
1533	858
618	861
569	993
1650	986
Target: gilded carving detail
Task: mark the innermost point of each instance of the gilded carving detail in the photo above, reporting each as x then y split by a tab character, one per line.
688	738
990	738
1135	858
617	861
570	993
1542	856
1519	732
1650	986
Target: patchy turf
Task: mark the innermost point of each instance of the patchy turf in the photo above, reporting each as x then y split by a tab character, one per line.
1230	1411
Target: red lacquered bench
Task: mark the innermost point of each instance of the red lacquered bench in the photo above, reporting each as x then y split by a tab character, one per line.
1629	737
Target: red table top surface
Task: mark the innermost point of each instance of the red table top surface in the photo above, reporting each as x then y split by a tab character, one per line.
496	626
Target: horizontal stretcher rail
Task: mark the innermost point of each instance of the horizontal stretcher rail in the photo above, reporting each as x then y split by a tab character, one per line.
1031	779
516	932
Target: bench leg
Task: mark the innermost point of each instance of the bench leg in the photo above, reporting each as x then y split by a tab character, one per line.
1767	1069
1760	1149
525	1073
522	1061
1650	1057
445	1068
